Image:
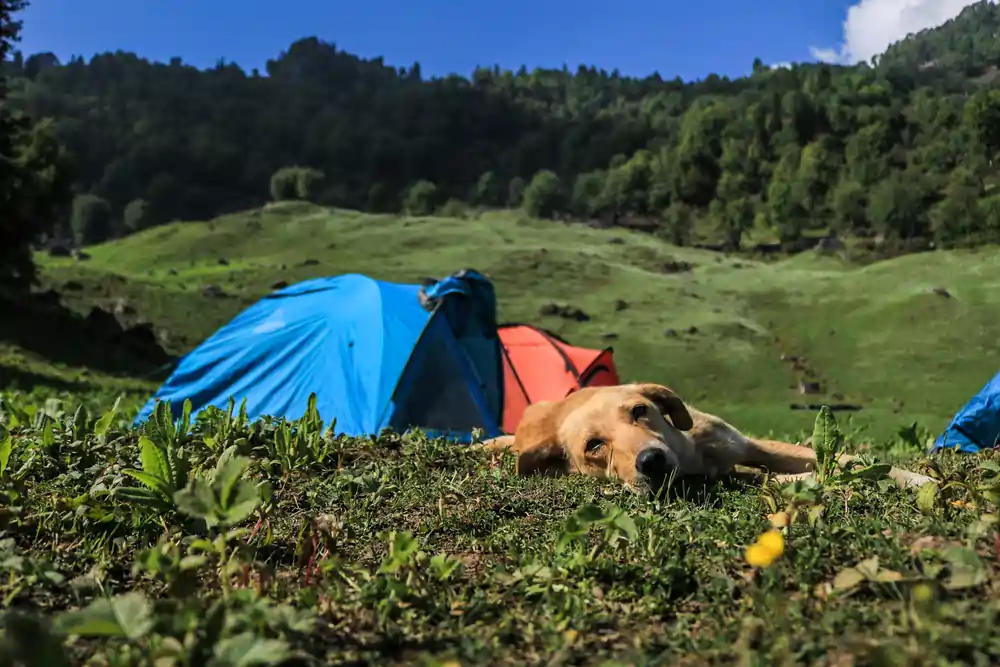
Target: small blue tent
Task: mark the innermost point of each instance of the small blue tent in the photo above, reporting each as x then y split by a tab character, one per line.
977	425
376	354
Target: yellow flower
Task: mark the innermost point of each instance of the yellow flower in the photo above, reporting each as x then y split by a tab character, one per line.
767	549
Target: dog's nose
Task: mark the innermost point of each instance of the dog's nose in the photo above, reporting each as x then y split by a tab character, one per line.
652	461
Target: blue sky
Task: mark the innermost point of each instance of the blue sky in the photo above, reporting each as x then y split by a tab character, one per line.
674	37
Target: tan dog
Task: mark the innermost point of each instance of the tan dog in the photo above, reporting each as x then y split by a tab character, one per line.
643	433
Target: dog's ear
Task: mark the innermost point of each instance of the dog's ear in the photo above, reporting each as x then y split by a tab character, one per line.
669	403
536	442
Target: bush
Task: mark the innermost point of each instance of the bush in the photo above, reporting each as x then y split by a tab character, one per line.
302	183
91	219
309	184
136	215
543	196
284	184
421	199
454	208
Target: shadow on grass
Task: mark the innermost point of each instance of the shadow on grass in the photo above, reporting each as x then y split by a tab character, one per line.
41	324
16	378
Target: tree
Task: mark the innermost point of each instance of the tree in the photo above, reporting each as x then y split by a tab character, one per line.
308	184
136	215
898	206
849	206
36	175
488	191
285	184
981	117
515	192
958	216
421	199
678	223
586	200
91	220
543	197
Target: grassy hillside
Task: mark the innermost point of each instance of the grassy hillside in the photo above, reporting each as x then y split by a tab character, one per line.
721	333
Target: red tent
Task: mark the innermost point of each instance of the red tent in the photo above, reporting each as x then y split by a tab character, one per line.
540	366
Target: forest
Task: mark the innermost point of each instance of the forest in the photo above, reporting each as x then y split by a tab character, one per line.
901	148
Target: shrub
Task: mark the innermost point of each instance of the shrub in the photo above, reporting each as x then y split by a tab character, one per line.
91	219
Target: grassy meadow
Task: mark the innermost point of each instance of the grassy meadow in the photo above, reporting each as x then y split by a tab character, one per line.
249	543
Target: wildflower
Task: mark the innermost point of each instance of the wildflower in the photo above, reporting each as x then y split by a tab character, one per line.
767	549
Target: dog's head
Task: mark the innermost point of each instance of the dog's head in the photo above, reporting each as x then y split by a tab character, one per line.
629	432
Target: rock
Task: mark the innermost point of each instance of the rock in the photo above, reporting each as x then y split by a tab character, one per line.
808	387
281	284
620	304
566	312
940	291
549	309
671	333
675	266
692	330
310	262
73	286
223	261
213	291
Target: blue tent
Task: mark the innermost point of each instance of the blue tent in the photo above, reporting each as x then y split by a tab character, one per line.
376	354
977	425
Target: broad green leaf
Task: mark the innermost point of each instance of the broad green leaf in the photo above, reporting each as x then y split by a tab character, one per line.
826	435
248	650
81	420
154	461
589	513
185	418
927	496
48	437
152	482
6	445
103	424
242	503
967	568
196	500
129	615
146	497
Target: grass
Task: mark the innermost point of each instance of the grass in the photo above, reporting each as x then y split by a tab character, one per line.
876	336
256	543
239	543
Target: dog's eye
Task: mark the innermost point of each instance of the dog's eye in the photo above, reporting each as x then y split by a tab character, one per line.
639	411
594	444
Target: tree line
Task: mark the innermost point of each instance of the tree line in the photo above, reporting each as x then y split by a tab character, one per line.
903	148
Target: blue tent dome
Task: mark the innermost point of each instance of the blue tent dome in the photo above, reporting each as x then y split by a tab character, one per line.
371	352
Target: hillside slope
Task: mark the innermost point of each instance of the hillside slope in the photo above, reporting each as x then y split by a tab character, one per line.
906	149
722	332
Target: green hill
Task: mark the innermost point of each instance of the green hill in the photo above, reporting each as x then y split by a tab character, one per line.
725	332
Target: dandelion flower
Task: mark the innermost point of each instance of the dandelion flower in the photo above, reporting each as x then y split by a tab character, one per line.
767	549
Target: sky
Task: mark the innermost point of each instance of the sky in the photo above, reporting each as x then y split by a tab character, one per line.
690	39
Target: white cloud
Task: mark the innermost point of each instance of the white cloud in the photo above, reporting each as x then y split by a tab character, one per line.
873	25
781	66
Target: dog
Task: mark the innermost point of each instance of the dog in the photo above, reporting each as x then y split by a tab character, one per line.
642	434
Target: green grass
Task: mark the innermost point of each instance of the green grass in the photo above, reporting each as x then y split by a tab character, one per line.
311	549
873	335
409	551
